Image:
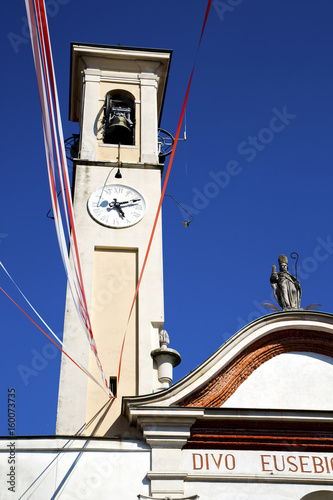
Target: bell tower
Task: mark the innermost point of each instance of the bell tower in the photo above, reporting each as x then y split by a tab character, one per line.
116	96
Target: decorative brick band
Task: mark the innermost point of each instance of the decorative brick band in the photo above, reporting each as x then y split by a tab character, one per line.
262	435
227	381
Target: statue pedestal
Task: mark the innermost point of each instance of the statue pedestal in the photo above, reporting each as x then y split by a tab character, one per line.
165	359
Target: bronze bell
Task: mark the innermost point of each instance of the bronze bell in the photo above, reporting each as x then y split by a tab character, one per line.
118	131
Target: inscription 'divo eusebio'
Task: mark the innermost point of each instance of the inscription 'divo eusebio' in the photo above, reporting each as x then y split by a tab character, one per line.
293	464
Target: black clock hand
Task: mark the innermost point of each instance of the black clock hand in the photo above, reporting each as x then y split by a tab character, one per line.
131	205
120	211
129	201
115	204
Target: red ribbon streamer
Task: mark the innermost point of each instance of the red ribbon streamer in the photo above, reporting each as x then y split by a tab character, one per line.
164	186
39	328
54	143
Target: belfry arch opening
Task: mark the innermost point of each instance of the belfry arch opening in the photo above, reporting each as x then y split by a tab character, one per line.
119	118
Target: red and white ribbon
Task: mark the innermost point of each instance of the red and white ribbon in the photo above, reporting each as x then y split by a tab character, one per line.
57	166
63	348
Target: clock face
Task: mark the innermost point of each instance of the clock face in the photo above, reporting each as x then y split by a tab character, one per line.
116	205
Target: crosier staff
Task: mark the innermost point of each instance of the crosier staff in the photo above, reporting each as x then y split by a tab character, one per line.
294	255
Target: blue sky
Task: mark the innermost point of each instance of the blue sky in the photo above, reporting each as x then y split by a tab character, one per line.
255	171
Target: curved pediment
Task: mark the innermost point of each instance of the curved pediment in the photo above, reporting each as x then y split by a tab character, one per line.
260	358
275	379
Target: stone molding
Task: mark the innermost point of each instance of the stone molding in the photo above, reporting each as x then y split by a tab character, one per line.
143	497
194	497
165	432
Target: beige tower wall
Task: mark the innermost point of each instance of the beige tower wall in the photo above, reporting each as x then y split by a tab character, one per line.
114	284
75	389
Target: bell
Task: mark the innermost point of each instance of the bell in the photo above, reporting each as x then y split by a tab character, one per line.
118	132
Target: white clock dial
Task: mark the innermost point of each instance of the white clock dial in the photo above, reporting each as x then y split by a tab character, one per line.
116	205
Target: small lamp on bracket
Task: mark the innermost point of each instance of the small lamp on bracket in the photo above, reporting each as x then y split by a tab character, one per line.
186	223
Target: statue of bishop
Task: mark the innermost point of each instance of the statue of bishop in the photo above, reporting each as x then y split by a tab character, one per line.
287	289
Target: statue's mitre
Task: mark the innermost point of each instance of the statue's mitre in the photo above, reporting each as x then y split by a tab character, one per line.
282	260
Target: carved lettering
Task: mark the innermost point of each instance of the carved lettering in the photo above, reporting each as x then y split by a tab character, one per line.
317	462
264	463
218	463
302	464
295	468
270	463
211	461
327	468
230	464
195	461
275	464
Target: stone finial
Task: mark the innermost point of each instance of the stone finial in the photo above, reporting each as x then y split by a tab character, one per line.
166	359
164	339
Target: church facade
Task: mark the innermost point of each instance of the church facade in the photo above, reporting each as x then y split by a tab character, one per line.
253	421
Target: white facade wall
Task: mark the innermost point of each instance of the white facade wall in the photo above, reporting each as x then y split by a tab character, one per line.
75	469
117	469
